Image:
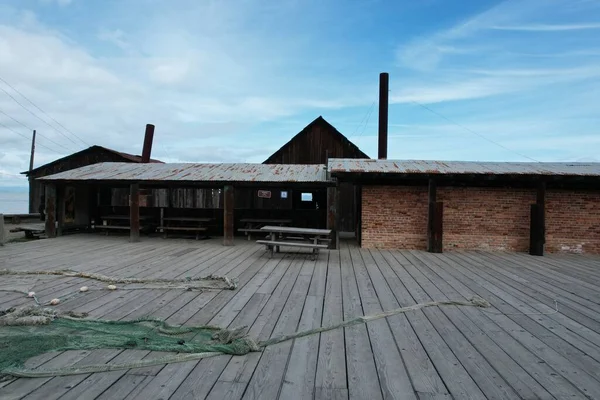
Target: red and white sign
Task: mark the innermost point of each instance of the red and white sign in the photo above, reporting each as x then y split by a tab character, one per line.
265	194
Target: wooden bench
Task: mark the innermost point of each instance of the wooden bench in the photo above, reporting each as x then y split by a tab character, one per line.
184	224
280	236
271	245
254	225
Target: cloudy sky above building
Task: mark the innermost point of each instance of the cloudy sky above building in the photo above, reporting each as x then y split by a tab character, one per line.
234	80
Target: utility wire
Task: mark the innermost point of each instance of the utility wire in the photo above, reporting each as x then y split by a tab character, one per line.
35	115
45	137
24	136
367	121
473	132
362	120
44	112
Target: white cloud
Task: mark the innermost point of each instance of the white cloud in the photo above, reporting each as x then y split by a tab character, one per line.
61	3
547	27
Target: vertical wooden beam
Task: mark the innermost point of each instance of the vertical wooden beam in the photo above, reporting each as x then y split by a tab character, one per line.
335	239
537	227
2	231
332	212
134	212
438	227
541	202
50	210
60	209
431	215
228	207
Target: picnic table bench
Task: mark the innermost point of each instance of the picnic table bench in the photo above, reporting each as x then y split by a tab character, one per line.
31	230
185	224
253	225
314	239
119	222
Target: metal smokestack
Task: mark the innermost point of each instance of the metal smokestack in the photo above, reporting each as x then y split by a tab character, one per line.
148	137
384	81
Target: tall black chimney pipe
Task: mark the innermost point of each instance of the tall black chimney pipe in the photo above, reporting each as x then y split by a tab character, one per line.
384	83
148	137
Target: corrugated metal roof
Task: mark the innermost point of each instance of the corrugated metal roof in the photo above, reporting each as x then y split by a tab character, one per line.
339	165
239	172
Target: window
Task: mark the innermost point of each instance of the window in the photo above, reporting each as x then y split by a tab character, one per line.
284	194
306	197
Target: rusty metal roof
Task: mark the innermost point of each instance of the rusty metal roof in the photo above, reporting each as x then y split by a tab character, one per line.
239	172
338	165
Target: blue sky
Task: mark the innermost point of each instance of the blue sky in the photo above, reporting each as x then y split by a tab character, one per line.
230	81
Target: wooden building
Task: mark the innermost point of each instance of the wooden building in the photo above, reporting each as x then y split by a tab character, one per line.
91	155
440	206
221	194
315	144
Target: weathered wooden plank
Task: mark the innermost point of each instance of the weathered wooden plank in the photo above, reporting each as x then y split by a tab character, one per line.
363	381
268	375
299	379
425	379
331	363
536	367
518	379
487	378
530	340
457	379
202	378
393	377
227	390
126	386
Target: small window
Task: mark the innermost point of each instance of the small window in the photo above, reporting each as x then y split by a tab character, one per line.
284	194
306	197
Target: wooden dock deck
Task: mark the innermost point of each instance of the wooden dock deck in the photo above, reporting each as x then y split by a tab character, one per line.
520	348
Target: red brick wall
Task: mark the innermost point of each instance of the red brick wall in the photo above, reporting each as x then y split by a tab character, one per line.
486	218
573	221
474	218
394	217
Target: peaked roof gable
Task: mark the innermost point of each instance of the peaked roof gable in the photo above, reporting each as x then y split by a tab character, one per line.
125	156
308	130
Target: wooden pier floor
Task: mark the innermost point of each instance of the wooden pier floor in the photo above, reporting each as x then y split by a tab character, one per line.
522	347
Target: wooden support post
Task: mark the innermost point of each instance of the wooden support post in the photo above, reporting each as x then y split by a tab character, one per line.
134	212
431	222
2	231
228	206
537	227
60	209
438	227
332	204
50	210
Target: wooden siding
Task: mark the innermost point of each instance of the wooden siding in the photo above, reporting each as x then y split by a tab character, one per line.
314	145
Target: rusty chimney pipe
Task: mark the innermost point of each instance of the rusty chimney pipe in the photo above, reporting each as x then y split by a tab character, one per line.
384	83
148	137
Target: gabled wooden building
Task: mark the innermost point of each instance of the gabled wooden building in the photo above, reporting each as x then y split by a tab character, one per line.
89	156
318	142
315	144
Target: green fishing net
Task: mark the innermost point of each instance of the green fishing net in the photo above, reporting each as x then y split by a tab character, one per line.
31	332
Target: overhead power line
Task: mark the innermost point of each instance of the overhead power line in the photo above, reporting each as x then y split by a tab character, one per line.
44	112
45	137
473	132
25	136
35	115
367	114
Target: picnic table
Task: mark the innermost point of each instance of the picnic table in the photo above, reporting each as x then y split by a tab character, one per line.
314	239
253	225
120	222
186	224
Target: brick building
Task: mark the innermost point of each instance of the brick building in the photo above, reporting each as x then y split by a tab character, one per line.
444	206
